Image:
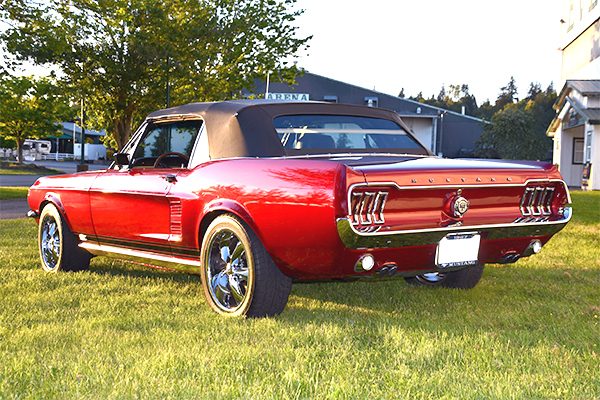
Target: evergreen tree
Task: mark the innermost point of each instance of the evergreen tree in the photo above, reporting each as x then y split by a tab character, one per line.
508	94
418	97
518	130
534	90
441	97
486	110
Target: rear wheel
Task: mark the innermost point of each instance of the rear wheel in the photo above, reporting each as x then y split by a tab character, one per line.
465	278
57	245
238	275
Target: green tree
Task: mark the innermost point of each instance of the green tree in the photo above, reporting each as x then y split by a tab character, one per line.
419	97
453	99
541	108
534	90
486	110
7	143
508	94
29	108
518	130
127	57
442	96
507	136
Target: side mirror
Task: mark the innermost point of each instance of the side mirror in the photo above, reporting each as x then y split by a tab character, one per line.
122	159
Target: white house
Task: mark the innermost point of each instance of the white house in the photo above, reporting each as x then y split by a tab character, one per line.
576	132
576	127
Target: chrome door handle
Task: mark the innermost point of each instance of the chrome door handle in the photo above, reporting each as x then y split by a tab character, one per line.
169	178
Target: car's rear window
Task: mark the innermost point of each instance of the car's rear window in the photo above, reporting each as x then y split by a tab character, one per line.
341	133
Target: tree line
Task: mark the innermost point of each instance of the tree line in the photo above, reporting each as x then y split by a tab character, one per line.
518	127
127	58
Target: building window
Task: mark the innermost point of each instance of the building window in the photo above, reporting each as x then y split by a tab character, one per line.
588	147
330	99
578	146
571	15
372	101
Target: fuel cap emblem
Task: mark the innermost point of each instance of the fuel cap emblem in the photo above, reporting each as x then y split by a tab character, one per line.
460	205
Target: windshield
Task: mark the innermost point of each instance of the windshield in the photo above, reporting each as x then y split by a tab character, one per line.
342	133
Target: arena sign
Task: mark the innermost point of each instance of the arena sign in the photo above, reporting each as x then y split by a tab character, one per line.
289	96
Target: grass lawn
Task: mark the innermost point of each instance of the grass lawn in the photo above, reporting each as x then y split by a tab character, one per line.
530	330
14	168
13	192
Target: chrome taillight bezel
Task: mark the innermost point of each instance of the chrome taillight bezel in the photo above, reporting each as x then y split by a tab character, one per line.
537	201
367	206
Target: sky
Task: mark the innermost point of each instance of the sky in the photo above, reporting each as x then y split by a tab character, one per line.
419	45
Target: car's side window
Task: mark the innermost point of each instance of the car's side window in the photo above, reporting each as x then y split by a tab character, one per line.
154	143
159	139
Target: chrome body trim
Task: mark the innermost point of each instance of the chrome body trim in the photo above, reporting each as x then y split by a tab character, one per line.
367	208
360	267
142	257
355	240
341	156
537	201
380	201
457	185
521	221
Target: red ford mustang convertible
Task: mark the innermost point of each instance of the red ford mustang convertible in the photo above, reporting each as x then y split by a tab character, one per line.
252	195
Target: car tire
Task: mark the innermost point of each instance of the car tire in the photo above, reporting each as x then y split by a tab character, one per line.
58	247
238	275
465	278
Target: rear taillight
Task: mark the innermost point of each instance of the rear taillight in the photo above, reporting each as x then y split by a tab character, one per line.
537	201
366	207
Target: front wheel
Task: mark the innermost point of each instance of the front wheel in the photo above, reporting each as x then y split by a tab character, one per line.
57	245
238	275
465	278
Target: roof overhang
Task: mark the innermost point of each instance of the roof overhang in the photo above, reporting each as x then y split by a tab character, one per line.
565	101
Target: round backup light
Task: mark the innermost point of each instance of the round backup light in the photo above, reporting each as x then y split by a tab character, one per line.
365	263
368	262
534	248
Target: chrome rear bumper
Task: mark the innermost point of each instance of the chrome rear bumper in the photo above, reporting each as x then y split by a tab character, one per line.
355	240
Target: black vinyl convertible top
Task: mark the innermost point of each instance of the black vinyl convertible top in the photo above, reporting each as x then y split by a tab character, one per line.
244	128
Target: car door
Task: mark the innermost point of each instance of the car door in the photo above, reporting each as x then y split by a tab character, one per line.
129	206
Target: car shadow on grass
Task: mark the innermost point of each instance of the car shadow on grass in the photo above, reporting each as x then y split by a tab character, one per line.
119	268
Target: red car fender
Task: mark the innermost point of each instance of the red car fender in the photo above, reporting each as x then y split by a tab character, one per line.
222	206
54	198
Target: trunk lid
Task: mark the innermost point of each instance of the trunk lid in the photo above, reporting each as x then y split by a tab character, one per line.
429	193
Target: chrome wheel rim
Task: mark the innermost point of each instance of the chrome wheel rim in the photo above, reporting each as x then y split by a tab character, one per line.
50	242
227	271
432	278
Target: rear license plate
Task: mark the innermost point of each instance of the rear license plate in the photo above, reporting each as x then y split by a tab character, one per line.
458	249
